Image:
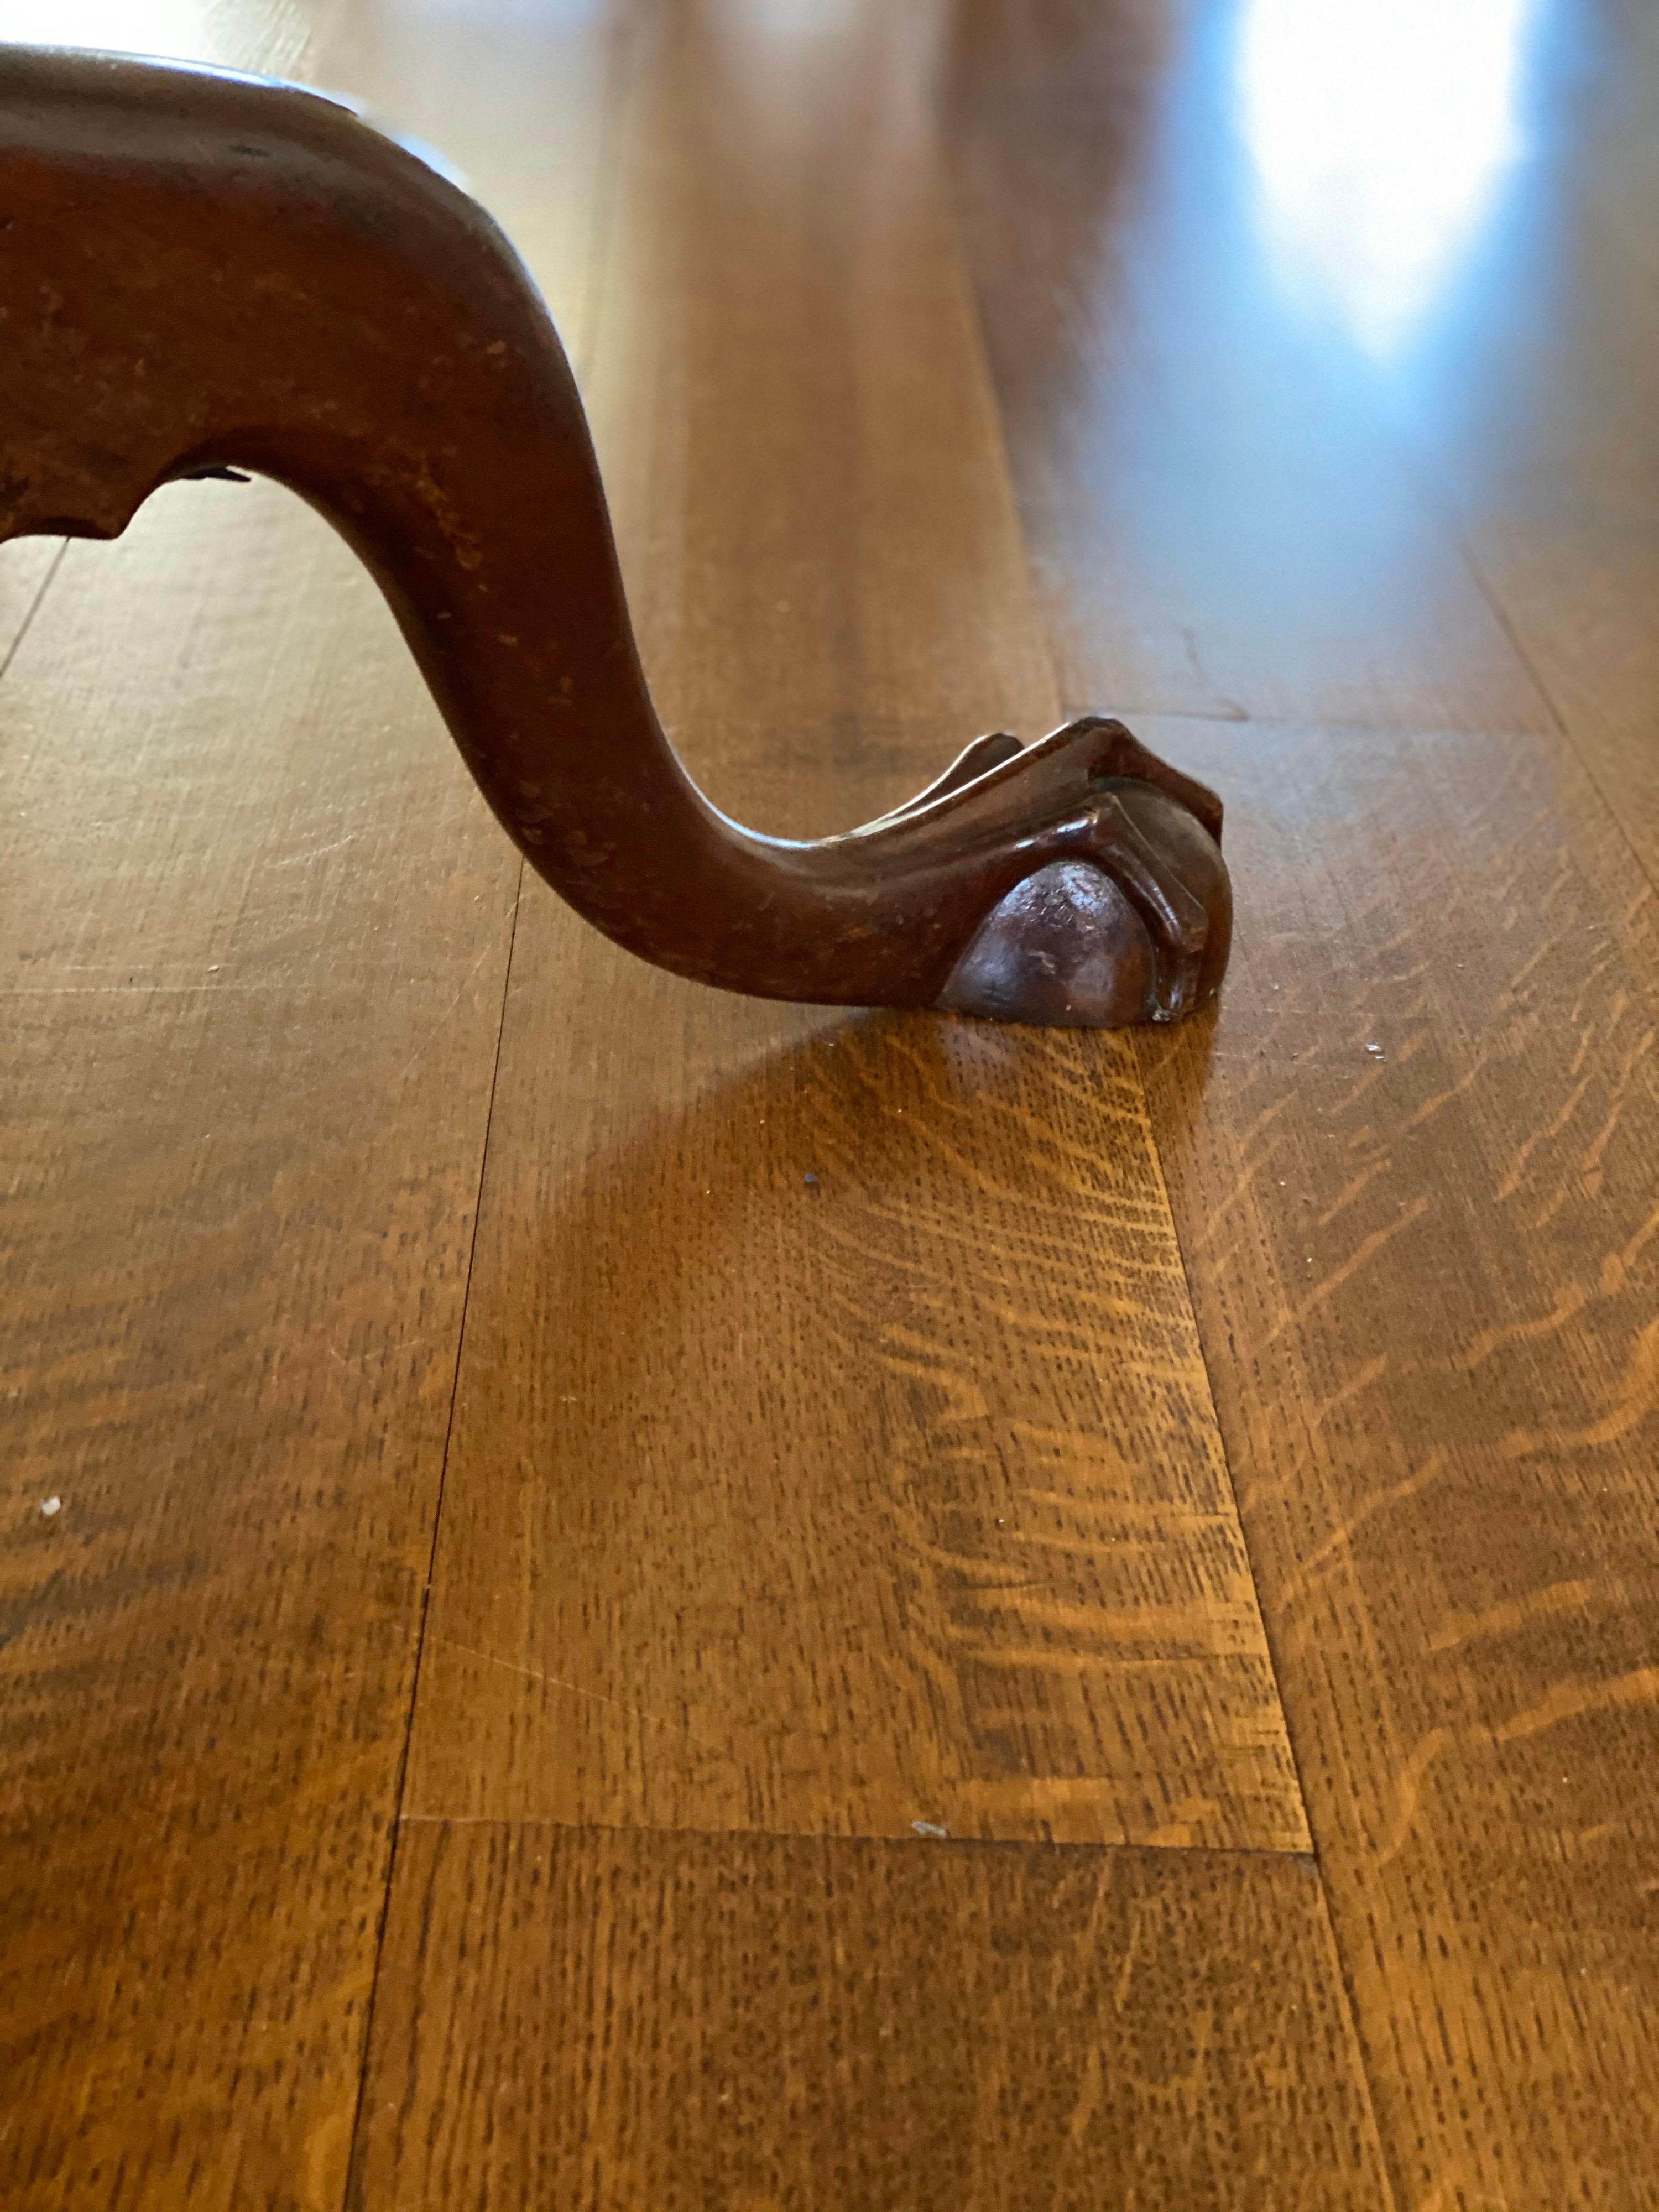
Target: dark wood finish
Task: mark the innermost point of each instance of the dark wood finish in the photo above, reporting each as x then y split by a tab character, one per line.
830	1449
198	273
680	2022
1413	1172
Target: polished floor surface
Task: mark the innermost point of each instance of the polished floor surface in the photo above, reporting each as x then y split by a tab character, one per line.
617	1598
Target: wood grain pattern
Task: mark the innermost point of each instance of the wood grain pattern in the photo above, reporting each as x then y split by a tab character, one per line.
246	1079
684	2021
256	923
831	1449
1411	1169
1414	1174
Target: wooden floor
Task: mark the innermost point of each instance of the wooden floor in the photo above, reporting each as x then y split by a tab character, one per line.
662	1604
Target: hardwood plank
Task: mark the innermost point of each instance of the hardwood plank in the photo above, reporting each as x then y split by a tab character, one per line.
1424	1274
256	920
615	2019
1582	603
832	1449
1221	520
1541	425
1413	1168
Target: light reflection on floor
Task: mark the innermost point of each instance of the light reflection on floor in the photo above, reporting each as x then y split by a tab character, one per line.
1379	131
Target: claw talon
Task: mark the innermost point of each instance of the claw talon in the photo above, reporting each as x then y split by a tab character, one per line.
973	762
1132	924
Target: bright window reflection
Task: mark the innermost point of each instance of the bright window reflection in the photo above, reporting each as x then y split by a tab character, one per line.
1379	128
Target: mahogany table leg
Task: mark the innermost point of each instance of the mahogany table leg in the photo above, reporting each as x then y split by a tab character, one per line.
200	274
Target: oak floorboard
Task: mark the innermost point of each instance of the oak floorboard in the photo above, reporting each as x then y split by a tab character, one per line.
1412	1161
256	921
1541	430
684	2022
832	1449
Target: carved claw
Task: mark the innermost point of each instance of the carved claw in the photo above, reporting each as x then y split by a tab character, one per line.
1136	927
973	761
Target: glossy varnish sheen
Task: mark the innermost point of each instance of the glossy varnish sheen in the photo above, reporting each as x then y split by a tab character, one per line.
824	1511
666	1601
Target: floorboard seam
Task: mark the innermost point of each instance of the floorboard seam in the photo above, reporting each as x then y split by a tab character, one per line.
1310	1859
354	2147
1563	724
623	40
1339	1957
34	607
1173	1852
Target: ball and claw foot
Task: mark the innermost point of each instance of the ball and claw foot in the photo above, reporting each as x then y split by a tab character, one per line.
1130	922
